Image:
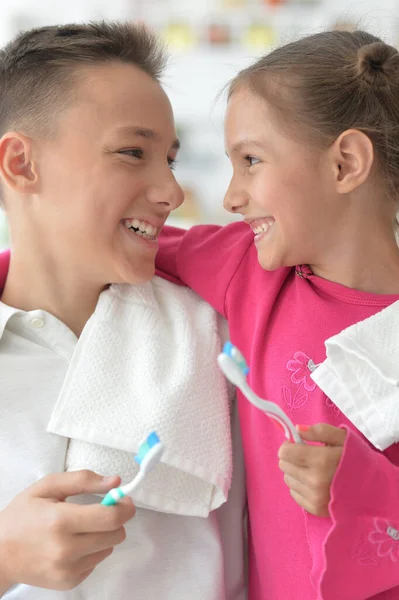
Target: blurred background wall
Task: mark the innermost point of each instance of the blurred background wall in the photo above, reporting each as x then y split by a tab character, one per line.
209	40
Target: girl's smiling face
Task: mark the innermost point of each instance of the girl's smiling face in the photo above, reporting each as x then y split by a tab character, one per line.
283	188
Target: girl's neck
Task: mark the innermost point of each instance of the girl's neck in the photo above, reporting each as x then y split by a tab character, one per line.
365	257
36	281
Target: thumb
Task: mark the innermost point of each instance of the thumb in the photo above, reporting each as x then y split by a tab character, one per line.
60	486
322	433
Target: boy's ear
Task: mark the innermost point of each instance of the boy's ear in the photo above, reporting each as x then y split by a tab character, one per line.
353	157
17	168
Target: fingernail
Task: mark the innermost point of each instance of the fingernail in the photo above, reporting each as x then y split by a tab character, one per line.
302	427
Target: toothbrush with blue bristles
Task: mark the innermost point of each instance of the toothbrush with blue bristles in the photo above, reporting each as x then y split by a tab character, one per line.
234	367
149	454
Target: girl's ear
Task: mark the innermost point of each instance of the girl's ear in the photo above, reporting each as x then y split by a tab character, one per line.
353	157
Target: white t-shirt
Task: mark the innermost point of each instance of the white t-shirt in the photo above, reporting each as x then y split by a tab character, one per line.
164	557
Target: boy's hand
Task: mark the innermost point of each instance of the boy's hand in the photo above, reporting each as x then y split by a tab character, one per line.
309	470
49	543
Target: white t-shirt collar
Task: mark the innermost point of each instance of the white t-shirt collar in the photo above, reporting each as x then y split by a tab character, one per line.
6	312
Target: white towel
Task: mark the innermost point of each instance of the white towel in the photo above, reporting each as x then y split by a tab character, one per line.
361	375
146	361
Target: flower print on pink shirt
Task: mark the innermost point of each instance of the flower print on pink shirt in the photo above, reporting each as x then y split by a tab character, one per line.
382	542
386	539
301	369
301	372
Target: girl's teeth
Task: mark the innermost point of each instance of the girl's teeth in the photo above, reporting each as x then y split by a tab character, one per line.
261	228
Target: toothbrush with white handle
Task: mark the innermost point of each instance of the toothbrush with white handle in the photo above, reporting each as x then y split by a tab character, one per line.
234	367
149	454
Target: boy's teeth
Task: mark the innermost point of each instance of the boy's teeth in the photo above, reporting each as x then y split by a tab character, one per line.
141	227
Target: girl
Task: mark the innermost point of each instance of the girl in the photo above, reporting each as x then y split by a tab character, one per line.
312	132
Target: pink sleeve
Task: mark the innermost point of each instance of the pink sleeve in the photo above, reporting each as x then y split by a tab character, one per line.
4	264
356	553
205	258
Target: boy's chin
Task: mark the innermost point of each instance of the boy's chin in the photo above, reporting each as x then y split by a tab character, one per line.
135	276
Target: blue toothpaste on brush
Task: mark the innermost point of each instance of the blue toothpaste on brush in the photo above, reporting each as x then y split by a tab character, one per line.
149	454
235	368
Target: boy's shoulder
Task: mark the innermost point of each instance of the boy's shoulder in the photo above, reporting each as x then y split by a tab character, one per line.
161	298
156	291
4	266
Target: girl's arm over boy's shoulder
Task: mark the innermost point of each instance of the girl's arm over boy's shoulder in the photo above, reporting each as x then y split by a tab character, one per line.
205	257
361	550
4	263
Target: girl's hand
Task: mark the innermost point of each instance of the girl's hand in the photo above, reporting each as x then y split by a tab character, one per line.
309	470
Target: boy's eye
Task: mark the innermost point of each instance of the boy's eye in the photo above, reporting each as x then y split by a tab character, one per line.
134	152
251	160
138	153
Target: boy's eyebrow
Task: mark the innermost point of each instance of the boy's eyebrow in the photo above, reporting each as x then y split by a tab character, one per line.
144	132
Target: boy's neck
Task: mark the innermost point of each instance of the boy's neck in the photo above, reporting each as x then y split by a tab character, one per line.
34	284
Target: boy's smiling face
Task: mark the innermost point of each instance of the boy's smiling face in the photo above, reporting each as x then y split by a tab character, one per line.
107	168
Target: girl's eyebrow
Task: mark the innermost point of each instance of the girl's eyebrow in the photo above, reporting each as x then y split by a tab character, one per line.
246	142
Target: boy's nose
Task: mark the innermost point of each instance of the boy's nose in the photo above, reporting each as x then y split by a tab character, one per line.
168	193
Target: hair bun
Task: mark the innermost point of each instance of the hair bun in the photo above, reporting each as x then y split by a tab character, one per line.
378	64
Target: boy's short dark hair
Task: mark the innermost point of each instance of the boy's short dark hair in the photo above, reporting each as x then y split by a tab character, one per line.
38	67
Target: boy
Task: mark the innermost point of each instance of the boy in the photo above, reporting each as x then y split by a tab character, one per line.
88	142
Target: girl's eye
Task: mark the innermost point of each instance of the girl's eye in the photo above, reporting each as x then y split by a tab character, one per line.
251	160
134	152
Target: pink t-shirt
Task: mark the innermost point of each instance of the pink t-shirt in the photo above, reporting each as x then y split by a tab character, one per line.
280	321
